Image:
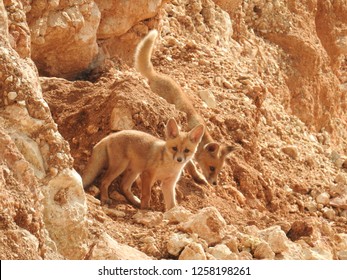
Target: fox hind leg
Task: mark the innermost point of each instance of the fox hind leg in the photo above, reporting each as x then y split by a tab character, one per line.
129	178
112	173
147	180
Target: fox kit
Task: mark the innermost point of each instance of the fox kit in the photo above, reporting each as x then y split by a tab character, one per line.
135	153
210	155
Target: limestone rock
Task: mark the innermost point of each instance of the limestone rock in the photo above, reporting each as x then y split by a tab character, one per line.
208	224
291	151
65	204
177	214
193	251
3	21
276	238
328	213
50	198
323	198
31	152
222	252
64	36
319	252
148	218
208	97
117	17
106	248
340	179
177	242
114	212
121	119
149	246
232	243
339	202
294	252
338	189
341	239
263	251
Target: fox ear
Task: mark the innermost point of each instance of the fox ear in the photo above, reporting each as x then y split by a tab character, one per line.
212	148
172	130
227	149
196	133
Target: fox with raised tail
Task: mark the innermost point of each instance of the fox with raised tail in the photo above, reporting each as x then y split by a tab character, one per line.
135	153
210	155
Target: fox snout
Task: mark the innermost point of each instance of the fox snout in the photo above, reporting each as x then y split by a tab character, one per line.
179	159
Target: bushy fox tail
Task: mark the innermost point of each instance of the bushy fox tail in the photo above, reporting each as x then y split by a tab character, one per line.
96	163
143	54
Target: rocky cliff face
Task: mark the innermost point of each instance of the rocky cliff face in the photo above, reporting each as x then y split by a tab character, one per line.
267	76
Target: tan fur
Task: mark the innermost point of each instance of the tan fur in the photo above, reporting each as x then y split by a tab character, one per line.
210	155
135	153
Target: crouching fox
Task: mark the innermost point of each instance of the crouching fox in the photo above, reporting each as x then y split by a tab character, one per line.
135	153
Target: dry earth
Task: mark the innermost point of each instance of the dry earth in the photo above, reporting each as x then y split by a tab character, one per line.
274	73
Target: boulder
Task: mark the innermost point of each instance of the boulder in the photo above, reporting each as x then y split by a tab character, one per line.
208	224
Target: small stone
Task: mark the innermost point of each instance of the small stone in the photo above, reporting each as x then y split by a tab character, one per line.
337	189
171	41
177	215
208	224
276	238
227	84
340	179
221	252
208	97
244	255
219	81
149	246
12	95
328	213
344	214
232	243
311	206
92	129
121	119
193	251
113	212
339	202
177	242
263	251
323	198
291	151
148	218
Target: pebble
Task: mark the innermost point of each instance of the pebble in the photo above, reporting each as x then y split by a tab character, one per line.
12	95
263	251
291	151
323	198
193	251
208	97
328	213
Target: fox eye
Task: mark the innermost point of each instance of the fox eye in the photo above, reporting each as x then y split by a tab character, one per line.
174	148
212	169
186	151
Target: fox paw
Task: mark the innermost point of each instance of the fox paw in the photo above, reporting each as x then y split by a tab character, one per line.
106	201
